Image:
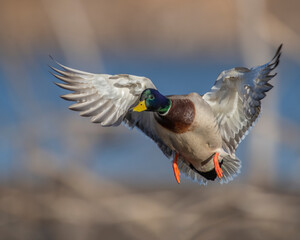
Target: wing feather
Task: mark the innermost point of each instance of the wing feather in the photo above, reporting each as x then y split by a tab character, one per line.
236	98
85	96
107	99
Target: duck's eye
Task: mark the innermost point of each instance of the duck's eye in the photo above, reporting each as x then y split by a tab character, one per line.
151	97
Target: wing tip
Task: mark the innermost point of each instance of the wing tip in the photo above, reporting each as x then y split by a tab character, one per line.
59	74
67	97
276	59
50	56
61	85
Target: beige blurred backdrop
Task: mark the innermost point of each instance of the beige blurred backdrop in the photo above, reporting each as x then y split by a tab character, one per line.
49	190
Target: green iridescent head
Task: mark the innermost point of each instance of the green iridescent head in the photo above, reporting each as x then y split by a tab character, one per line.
152	100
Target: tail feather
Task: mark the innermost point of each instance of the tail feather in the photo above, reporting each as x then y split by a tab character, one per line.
230	165
190	173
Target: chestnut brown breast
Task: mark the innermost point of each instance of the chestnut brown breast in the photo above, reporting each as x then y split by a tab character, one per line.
180	116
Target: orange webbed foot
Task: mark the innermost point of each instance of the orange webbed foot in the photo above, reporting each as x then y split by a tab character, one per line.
176	169
217	166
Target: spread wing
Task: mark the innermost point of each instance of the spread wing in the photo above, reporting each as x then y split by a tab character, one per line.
235	99
107	99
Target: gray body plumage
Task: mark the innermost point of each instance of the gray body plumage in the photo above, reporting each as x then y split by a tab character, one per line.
223	116
201	141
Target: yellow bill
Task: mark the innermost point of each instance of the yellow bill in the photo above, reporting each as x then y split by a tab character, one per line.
140	107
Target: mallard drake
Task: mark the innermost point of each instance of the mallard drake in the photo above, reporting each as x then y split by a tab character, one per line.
200	133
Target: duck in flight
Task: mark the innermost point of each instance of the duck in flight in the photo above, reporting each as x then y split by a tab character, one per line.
200	133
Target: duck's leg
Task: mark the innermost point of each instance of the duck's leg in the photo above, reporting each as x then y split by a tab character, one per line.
175	168
217	166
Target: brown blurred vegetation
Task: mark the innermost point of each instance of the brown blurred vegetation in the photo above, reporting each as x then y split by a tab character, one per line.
45	201
152	26
75	204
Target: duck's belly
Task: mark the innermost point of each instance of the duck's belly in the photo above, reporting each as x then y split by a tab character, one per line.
190	130
196	146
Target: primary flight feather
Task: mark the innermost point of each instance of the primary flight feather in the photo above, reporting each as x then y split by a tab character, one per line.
201	133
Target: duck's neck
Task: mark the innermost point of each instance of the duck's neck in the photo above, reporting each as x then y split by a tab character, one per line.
165	107
180	116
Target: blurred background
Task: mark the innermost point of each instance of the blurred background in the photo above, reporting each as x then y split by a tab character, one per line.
62	177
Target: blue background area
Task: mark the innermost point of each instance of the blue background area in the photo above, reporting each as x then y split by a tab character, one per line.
129	156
